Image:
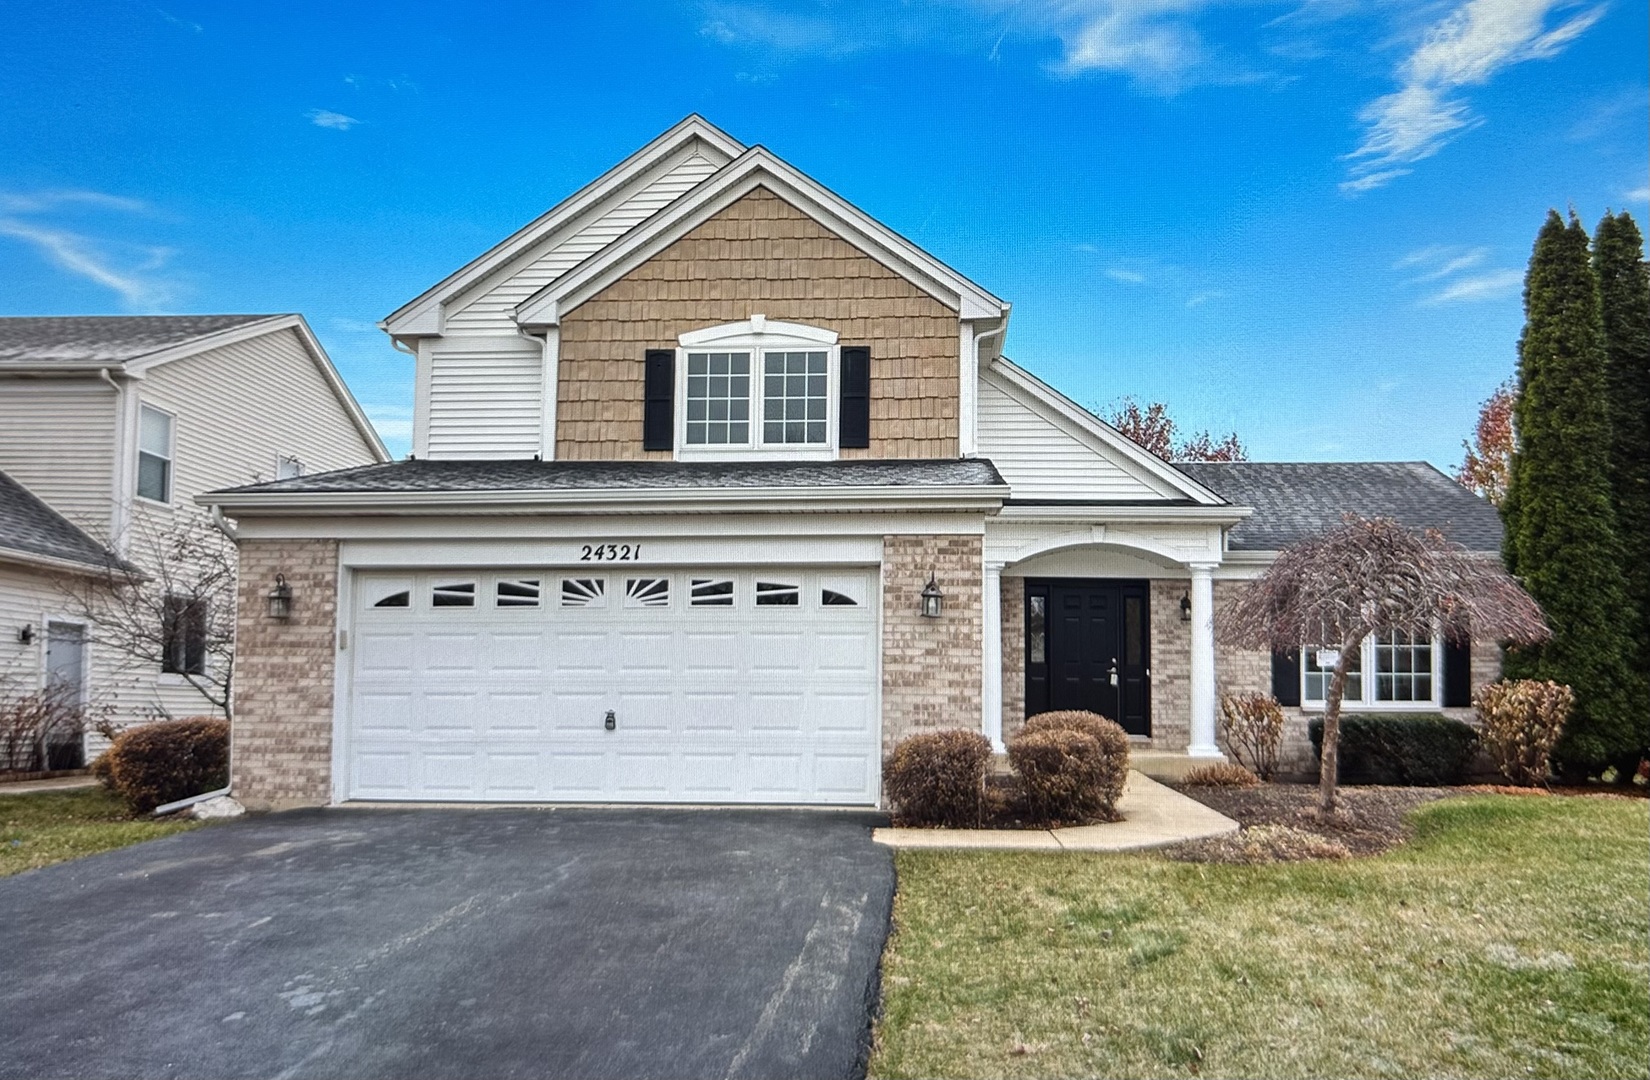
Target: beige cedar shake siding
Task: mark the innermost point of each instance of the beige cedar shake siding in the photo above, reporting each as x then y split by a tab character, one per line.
281	744
759	256
930	667
1014	655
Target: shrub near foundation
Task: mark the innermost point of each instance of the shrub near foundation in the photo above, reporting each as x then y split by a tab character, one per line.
1519	723
154	764
1252	728
1221	774
938	778
1071	765
1423	750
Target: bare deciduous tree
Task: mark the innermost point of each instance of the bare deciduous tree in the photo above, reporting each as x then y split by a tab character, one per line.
1375	576
175	614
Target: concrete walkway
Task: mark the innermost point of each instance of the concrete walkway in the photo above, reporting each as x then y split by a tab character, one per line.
61	783
1153	816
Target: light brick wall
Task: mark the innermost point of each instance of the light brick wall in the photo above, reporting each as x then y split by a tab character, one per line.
1171	667
1014	655
760	255
281	742
930	667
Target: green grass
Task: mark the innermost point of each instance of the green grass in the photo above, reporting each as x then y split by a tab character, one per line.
1507	939
51	826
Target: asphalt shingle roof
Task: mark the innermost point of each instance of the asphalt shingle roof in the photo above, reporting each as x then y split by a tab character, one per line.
29	526
413	477
1294	500
104	339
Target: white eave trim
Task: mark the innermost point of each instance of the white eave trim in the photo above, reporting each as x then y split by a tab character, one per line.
757	167
422	316
971	497
48	562
1082	514
1021	379
756	326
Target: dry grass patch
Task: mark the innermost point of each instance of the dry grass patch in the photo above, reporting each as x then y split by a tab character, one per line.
52	826
1506	938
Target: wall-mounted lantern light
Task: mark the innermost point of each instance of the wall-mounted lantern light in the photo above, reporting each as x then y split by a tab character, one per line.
25	634
1186	607
280	599
933	601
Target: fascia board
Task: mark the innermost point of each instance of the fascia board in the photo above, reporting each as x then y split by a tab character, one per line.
1018	377
62	566
1202	515
139	365
756	168
414	317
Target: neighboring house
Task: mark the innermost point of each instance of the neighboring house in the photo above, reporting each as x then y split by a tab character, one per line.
109	429
721	489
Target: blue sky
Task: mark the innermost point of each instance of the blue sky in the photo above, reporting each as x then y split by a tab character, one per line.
1303	221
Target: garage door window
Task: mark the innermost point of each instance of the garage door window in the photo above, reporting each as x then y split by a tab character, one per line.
710	592
778	594
584	592
517	592
456	594
647	592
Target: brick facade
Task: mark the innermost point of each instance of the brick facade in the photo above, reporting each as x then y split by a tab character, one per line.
1014	654
1171	666
760	255
281	741
930	667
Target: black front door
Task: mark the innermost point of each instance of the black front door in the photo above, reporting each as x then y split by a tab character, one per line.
1088	647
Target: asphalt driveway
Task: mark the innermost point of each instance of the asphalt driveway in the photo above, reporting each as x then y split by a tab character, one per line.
453	943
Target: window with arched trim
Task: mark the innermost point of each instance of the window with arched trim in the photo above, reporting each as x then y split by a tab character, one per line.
757	388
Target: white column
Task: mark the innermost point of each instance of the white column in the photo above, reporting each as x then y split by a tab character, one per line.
991	655
1203	662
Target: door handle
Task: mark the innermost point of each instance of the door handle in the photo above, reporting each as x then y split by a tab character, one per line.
1114	673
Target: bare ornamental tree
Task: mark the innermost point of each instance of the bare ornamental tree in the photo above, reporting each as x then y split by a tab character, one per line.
1371	576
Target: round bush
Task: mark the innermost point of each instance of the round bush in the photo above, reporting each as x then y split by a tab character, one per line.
938	778
154	764
1520	722
1072	765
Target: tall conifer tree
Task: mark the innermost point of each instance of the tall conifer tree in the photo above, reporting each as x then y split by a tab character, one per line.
1561	537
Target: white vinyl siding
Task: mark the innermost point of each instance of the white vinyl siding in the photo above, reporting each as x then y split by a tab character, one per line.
485	397
1042	458
493	305
57	438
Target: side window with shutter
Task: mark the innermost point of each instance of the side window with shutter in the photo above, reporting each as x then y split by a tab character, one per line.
1286	677
1457	674
658	405
854	416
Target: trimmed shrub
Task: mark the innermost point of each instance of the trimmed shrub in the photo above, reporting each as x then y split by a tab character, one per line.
1520	722
938	778
1252	727
154	764
1419	750
1072	765
1221	774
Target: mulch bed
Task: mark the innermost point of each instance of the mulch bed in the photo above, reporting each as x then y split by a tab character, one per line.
1371	819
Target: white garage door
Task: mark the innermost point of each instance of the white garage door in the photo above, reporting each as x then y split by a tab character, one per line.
700	686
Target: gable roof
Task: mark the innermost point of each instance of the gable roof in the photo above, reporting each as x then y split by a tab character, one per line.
758	167
1295	500
422	315
33	532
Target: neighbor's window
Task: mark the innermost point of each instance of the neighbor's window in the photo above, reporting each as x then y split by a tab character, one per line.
288	467
183	636
793	397
1392	669
154	469
718	398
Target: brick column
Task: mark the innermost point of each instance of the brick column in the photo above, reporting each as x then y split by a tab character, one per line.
281	739
931	676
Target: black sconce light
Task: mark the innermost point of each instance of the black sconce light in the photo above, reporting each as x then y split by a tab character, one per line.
1186	607
25	634
933	601
280	599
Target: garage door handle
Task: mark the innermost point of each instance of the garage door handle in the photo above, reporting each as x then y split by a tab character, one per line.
611	722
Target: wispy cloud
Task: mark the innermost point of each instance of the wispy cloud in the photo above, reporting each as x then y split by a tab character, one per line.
137	284
1445	268
1466	48
184	24
1441	262
36	202
1127	277
1491	286
326	118
1199	299
1641	194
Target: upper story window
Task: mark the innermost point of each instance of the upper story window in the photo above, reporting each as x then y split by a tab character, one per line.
154	464
288	467
757	387
1391	670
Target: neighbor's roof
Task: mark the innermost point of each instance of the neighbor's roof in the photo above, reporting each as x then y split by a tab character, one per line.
32	529
105	339
1294	500
422	477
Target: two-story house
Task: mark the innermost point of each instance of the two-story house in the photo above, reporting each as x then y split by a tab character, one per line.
110	426
721	488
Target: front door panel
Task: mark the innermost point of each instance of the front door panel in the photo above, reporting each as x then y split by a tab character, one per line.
1089	648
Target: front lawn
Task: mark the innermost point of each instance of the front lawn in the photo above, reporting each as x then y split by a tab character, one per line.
51	826
1507	938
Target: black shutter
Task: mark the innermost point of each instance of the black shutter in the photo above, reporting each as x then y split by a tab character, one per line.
854	416
1286	677
658	408
1457	674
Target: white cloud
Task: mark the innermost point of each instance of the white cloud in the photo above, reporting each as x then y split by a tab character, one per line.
1152	40
328	119
1641	194
1465	48
1199	299
35	202
1491	286
83	256
1127	277
1442	262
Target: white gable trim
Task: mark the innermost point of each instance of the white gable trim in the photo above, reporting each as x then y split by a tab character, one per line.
756	326
757	167
423	315
1072	417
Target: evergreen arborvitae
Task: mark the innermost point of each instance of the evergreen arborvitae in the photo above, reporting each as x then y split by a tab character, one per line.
1561	536
1624	296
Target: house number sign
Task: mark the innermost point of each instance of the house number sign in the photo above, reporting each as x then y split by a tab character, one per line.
610	552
